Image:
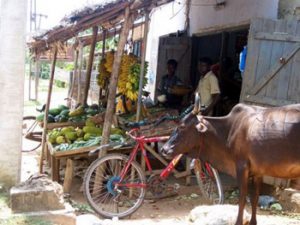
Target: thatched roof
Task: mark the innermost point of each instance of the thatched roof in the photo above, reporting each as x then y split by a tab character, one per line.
105	15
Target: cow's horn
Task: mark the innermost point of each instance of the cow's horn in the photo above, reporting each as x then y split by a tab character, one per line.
199	117
196	109
201	127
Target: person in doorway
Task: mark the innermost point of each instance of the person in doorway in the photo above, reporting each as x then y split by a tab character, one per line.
166	84
208	86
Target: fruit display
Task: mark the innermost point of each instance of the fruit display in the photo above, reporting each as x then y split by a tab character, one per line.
104	75
128	82
132	85
64	114
109	56
68	138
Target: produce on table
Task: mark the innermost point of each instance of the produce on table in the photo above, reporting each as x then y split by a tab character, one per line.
77	112
68	138
63	114
93	141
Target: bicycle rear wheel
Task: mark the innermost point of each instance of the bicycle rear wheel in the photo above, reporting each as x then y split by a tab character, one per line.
100	186
209	182
31	133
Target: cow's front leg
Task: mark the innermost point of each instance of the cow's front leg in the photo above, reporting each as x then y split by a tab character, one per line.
242	172
254	198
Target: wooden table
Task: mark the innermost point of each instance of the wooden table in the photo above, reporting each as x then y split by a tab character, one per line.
56	156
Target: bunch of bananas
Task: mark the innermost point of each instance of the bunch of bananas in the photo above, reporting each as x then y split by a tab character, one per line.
103	76
128	82
109	56
126	63
132	85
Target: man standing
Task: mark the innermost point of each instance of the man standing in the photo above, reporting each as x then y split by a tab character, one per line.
167	82
208	86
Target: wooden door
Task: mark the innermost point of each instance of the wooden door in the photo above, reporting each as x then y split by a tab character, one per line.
272	74
178	48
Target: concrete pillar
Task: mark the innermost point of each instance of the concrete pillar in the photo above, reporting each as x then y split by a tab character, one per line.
12	70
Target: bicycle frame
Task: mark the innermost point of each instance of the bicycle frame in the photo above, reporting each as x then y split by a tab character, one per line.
141	141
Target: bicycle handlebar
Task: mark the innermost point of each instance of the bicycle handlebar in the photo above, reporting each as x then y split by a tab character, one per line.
129	133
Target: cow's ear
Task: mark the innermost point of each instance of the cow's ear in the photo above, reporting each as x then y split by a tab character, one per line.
201	127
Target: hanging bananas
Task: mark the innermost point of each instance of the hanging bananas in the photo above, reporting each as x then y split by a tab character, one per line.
128	82
109	61
104	75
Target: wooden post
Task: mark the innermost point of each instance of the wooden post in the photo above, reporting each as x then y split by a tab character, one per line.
75	74
144	46
29	84
47	108
37	74
80	73
102	57
90	65
128	21
223	53
69	173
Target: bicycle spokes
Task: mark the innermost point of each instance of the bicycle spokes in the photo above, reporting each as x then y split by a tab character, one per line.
110	192
209	182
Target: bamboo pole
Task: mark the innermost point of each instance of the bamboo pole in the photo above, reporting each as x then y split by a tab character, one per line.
144	46
47	108
90	65
114	79
75	73
102	57
29	84
80	73
37	74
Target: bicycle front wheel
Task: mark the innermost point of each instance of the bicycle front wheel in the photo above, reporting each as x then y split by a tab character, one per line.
209	182
106	194
32	135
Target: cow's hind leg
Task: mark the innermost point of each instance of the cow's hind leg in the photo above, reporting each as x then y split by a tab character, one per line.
242	172
254	198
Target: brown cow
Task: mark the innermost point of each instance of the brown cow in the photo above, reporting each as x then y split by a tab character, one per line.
250	141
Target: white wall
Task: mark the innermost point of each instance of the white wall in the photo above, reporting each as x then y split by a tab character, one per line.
166	19
289	9
204	18
12	70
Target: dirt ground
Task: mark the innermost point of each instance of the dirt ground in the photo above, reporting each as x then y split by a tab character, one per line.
171	210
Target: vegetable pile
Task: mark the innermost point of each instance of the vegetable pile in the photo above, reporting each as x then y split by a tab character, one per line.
68	138
64	114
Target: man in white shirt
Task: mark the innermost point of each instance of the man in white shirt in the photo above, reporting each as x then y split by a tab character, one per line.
208	86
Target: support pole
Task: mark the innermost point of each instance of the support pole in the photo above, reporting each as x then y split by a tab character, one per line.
90	65
37	75
75	74
144	46
80	73
128	21
102	57
29	80
47	108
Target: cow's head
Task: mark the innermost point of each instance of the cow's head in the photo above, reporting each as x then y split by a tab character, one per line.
186	137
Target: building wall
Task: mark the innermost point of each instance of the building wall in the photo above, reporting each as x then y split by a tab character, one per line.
205	18
12	70
166	19
289	9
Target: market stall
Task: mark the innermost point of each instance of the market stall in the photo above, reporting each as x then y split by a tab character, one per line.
119	72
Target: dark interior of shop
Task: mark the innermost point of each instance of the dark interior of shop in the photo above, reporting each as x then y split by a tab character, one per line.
223	48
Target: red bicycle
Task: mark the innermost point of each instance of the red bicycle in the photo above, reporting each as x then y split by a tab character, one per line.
115	185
